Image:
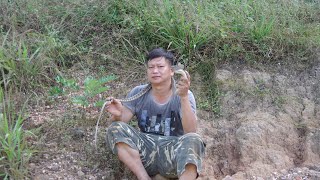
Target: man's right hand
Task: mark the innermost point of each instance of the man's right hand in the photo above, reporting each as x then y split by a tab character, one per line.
114	107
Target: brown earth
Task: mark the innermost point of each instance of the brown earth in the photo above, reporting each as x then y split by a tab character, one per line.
268	128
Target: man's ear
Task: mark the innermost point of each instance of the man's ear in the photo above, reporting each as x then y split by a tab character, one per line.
172	70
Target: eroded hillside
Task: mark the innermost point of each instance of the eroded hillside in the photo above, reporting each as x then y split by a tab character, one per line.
269	123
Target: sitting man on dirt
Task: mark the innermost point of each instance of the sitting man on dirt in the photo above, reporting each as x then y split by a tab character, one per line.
167	143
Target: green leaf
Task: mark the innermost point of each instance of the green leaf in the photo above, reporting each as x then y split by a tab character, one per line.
81	100
99	103
107	79
55	91
93	87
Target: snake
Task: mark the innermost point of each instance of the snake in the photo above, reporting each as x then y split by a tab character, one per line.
178	69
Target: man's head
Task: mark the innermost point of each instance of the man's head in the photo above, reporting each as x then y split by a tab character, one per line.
160	52
159	66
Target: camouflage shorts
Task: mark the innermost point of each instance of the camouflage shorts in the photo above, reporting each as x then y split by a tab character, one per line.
165	155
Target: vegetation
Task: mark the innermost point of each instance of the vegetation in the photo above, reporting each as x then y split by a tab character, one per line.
92	88
14	150
42	40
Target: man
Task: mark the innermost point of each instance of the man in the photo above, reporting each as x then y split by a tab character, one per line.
167	142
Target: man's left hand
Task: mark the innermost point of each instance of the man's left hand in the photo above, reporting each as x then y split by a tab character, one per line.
183	85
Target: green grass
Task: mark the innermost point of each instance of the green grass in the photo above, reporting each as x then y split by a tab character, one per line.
223	30
14	151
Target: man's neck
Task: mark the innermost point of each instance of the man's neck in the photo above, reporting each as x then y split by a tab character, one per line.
162	92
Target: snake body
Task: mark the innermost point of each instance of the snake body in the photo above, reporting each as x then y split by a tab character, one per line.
177	69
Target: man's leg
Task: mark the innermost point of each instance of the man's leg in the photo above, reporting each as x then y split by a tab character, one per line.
127	142
131	158
190	151
181	156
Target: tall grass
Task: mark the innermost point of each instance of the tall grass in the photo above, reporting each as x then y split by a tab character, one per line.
14	152
225	30
247	27
207	32
23	65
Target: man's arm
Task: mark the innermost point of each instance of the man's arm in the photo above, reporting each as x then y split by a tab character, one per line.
188	116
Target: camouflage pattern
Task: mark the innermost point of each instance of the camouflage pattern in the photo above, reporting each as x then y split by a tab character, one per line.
165	155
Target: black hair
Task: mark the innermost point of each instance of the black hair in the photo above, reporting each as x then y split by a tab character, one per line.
160	52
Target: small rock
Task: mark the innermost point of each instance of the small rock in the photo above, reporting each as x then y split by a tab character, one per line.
77	133
227	178
41	177
32	166
80	173
46	156
283	171
54	167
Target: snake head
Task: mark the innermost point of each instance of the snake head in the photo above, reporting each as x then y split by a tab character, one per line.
181	72
178	69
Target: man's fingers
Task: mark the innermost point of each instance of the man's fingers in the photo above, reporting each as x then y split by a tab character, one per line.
109	98
112	100
188	75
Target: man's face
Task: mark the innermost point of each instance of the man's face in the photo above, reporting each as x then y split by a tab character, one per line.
159	70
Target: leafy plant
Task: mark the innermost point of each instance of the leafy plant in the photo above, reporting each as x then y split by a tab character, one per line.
93	87
62	84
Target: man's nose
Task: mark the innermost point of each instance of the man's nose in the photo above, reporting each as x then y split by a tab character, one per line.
155	70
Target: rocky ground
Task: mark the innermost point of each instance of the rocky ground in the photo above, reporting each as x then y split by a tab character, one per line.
268	128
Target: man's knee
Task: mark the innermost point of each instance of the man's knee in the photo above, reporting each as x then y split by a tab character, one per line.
190	172
119	132
122	146
191	138
124	149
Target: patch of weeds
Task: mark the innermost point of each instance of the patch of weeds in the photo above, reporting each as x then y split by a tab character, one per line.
203	103
210	97
23	64
279	101
262	29
260	90
14	149
170	24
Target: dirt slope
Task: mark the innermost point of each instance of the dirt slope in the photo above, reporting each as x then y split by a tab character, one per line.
269	126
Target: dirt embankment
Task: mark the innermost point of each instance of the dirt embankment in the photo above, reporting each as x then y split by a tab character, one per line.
269	126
